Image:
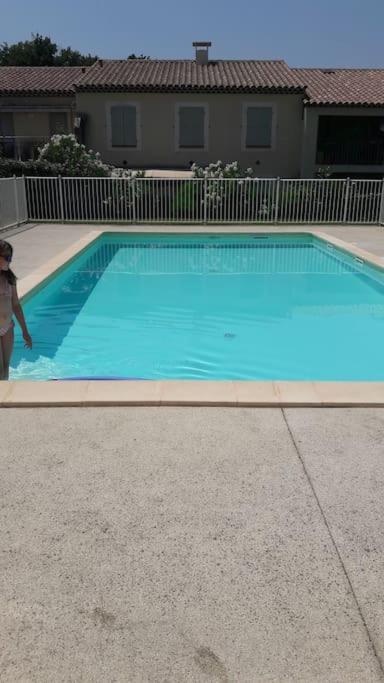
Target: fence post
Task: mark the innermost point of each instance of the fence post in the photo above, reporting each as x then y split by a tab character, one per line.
381	213
205	200
346	200
25	201
61	198
277	201
17	212
133	201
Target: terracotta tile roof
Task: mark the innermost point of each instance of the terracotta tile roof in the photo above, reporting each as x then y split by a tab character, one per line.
338	87
39	80
188	76
332	87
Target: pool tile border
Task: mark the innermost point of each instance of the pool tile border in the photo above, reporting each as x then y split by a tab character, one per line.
191	393
186	392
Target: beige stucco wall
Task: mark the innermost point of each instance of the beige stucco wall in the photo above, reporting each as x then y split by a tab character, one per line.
158	137
310	129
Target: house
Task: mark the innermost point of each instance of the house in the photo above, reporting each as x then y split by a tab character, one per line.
165	114
343	121
35	103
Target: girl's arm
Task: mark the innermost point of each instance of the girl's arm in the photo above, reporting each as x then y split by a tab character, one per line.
18	311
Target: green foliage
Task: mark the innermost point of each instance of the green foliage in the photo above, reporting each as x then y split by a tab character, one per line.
186	201
69	57
64	155
324	172
73	158
41	51
221	170
11	167
133	56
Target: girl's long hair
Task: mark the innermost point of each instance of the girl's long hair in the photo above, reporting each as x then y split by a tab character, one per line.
6	249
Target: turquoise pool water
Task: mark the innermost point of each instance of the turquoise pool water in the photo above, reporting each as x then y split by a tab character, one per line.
208	307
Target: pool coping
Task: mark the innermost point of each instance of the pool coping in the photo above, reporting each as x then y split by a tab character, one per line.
247	393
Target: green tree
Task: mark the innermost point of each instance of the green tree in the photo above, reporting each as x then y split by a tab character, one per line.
69	57
41	51
133	56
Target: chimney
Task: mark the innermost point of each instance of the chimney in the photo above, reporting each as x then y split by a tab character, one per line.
201	52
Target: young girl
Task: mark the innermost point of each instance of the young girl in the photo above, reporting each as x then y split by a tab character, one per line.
9	305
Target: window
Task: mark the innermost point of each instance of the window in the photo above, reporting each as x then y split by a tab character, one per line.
7	142
58	122
191	127
6	124
258	126
123	121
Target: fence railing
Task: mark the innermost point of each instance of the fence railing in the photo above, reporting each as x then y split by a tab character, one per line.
351	152
13	202
191	200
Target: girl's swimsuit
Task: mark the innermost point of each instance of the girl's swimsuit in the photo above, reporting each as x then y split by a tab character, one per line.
6	328
6	291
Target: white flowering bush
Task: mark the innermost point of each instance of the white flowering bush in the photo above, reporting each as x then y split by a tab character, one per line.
221	170
219	195
73	157
323	172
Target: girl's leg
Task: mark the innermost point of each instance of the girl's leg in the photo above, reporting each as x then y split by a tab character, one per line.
7	348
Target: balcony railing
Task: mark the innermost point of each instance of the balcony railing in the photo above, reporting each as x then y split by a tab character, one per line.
20	146
351	153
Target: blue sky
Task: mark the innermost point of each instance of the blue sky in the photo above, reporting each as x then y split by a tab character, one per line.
303	32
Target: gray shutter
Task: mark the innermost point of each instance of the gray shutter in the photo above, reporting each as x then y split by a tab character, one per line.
123	123
191	127
259	127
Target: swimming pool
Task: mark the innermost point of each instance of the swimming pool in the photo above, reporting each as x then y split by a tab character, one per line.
252	307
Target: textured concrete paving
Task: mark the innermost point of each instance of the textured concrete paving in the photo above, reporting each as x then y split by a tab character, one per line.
345	464
189	545
36	245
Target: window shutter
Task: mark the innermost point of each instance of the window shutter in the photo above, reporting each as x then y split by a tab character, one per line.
123	124
191	127
259	127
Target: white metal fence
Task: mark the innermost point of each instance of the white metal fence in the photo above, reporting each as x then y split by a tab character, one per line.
191	200
13	202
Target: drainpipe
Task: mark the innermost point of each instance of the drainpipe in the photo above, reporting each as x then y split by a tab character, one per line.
303	140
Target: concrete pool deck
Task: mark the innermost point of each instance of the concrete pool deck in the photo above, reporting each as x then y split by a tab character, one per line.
192	545
36	243
185	544
42	250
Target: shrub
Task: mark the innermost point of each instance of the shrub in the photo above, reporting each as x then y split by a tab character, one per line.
73	158
221	170
323	172
64	156
221	197
11	167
